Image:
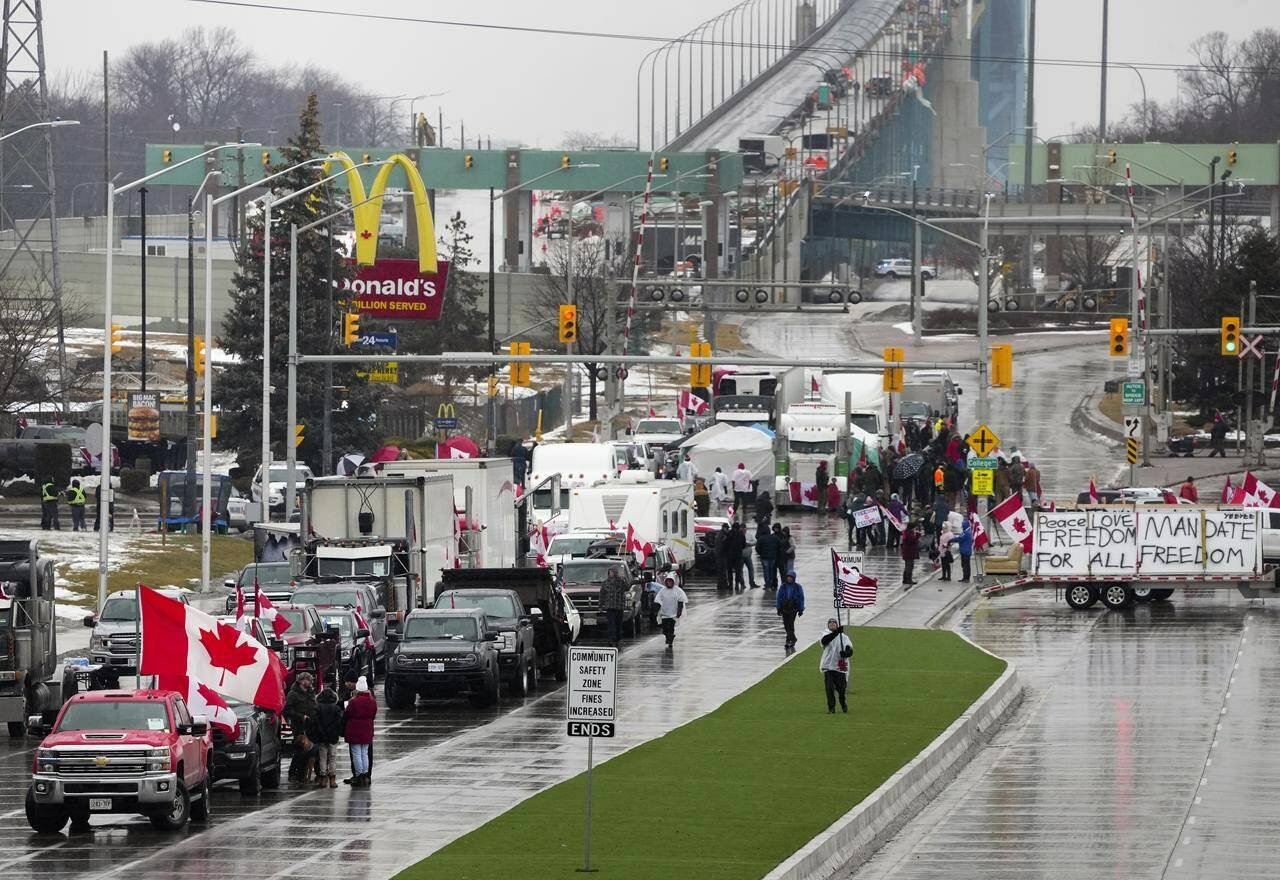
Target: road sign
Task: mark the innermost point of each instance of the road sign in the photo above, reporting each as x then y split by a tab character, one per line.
1133	393
983	481
447	423
1131	450
983	440
386	371
977	463
1131	427
1250	347
592	681
376	340
591	728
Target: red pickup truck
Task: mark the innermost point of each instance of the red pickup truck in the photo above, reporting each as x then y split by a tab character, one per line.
121	752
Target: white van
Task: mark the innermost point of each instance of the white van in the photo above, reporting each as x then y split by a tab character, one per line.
659	511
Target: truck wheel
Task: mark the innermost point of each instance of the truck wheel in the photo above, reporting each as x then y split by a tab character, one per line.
1080	597
1116	596
202	809
562	663
251	785
397	695
533	676
175	816
42	819
271	778
16	728
520	684
1161	595
1143	594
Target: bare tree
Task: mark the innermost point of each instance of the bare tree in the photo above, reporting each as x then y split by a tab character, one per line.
28	343
577	139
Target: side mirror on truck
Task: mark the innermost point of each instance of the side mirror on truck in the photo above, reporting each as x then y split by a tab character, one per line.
91	620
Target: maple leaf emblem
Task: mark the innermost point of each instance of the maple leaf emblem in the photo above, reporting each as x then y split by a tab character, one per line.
366	234
209	696
846	571
1019	525
812	492
225	651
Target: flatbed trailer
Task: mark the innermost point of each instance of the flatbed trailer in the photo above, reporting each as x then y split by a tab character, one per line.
1082	591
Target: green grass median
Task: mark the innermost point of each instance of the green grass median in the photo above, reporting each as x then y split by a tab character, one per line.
733	793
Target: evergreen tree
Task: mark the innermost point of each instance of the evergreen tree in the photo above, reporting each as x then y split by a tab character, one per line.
239	387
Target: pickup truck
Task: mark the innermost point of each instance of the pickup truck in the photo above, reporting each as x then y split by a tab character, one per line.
582	580
18	456
527	610
444	652
121	752
114	643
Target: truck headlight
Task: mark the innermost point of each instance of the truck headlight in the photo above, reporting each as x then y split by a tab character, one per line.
158	759
508	642
98	643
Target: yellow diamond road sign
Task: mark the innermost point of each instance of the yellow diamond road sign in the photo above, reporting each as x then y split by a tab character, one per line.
983	440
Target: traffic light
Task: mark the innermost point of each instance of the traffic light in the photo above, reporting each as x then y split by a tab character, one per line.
468	160
564	160
1111	157
493	386
350	328
893	375
663	164
700	374
266	157
1119	337
1002	366
298	435
519	375
1230	343
117	331
201	353
166	156
568	323
1231	157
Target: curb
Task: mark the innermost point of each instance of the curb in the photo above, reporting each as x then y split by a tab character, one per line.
1087	413
853	838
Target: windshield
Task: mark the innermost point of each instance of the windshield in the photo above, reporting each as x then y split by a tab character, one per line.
658	426
913	408
297	620
542	499
67	432
120	608
589	572
115	715
345	623
813	447
562	546
269	574
493	605
281	474
344	568
441	627
865	421
326	597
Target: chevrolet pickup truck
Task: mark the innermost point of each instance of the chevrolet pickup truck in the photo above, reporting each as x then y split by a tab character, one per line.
121	752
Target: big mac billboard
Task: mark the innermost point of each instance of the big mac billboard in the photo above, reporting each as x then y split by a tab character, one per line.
397	289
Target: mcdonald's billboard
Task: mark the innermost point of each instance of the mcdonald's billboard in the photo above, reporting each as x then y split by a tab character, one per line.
398	290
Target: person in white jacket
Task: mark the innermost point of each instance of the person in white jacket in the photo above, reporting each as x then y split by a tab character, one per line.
686	471
741	491
836	651
719	490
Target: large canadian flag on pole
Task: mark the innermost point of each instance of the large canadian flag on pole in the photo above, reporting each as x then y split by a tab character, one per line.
1014	520
180	640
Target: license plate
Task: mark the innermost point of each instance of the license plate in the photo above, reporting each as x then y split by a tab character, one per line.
588	621
435	667
100	804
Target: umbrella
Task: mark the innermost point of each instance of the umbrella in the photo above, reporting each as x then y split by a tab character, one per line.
457	447
908	466
386	453
350	463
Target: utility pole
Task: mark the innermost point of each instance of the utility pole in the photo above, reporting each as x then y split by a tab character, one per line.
1027	273
984	292
142	199
326	430
568	346
1250	427
1102	101
189	484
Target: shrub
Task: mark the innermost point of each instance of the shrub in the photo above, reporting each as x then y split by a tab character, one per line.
134	481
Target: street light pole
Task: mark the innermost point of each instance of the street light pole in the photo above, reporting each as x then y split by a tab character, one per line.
264	499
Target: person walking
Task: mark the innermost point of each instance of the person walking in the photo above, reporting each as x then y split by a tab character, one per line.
1032	483
767	550
747	564
1218	436
910	551
720	491
670	601
787	562
299	709
325	730
358	718
686	471
76	501
764	508
741	491
736	544
1188	491
821	479
790	605
49	506
836	651
613	601
721	548
964	544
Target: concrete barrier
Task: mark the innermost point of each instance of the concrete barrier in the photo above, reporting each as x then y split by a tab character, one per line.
854	837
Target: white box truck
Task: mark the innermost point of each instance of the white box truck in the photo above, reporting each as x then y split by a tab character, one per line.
398	532
484	494
867	401
660	511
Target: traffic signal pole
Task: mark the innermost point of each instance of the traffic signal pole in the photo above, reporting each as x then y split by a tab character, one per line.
568	346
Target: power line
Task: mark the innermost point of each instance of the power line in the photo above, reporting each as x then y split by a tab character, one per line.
649	38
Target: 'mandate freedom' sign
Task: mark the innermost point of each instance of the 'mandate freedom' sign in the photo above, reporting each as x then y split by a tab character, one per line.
396	290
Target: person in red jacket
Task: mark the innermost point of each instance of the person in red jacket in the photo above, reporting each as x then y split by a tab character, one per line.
1188	491
910	550
358	731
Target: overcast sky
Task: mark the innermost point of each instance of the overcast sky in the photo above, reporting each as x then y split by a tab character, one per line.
534	87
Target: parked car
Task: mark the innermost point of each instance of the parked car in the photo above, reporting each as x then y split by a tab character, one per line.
277	484
354	653
902	269
275	579
444	653
114	642
121	752
349	594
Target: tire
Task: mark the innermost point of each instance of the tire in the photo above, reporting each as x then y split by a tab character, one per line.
177	815
927	276
533	676
520	684
251	785
562	663
1117	597
1143	594
202	809
1161	595
16	728
892	276
271	778
1081	596
45	820
397	696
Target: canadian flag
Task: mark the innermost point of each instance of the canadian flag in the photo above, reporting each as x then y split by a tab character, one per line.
1258	493
980	536
22	423
1014	520
641	551
240	619
363	624
455	452
1093	492
263	608
691	404
805	494
1228	491
183	641
202	700
538	540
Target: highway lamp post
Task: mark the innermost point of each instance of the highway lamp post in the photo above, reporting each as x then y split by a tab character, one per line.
104	488
189	484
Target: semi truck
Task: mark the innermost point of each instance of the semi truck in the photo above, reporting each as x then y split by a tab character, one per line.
574	465
1121	554
809	433
32	681
867	403
397	533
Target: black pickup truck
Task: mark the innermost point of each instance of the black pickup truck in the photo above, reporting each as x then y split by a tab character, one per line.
526	609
